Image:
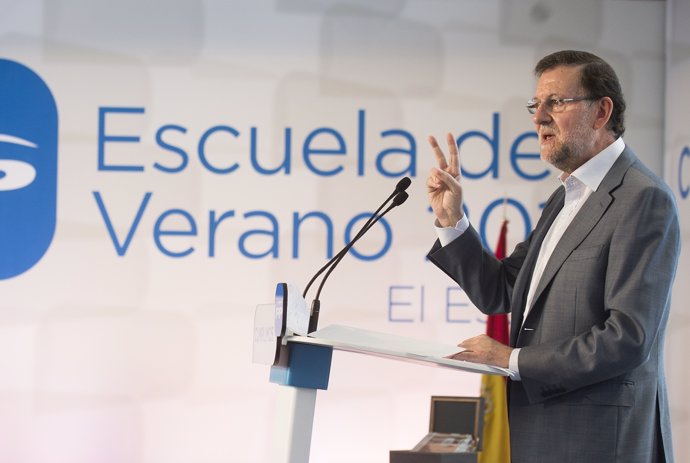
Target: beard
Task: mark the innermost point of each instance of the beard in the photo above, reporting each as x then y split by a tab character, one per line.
568	154
564	158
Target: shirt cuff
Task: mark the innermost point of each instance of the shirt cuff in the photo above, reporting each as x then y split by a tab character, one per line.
513	365
447	234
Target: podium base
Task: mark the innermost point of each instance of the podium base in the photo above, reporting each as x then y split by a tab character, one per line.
409	456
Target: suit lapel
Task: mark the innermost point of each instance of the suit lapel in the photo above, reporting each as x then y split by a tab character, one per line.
583	223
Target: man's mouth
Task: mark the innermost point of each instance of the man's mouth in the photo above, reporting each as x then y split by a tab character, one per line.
546	137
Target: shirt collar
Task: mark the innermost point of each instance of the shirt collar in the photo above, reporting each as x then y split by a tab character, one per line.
592	172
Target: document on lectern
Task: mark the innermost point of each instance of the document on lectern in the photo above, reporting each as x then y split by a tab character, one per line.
391	346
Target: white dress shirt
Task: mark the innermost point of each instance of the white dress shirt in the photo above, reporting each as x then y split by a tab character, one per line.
578	187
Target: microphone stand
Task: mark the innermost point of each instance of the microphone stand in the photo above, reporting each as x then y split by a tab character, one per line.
399	198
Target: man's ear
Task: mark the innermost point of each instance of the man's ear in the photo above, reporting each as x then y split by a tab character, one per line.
604	110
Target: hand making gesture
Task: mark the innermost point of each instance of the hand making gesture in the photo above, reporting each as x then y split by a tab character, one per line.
443	184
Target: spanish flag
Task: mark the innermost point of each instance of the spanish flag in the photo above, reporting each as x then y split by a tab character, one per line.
496	444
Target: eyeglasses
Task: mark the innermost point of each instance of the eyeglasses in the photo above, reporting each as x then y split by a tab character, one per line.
553	105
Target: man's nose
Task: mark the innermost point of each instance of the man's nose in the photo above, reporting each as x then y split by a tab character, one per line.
541	116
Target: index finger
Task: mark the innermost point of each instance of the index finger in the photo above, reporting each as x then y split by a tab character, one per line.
453	157
440	157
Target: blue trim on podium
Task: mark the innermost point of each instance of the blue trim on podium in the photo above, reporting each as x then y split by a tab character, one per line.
309	366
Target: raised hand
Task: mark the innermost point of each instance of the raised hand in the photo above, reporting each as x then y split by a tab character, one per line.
443	184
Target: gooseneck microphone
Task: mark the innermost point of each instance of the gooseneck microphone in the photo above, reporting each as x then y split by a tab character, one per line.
402	185
398	196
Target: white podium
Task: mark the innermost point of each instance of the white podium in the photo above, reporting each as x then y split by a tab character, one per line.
303	363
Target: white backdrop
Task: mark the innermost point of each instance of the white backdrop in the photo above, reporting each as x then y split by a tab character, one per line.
259	132
677	174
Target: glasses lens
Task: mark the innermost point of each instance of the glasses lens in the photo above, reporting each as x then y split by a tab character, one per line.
532	105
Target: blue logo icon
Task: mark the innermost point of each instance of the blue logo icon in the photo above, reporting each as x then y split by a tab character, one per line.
28	168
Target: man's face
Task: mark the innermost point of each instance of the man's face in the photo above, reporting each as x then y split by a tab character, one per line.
566	135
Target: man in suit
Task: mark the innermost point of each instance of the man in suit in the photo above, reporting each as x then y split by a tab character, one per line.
589	290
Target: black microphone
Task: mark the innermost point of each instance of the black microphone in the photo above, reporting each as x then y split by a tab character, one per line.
399	197
402	185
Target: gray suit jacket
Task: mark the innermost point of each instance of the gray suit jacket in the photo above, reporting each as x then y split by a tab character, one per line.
593	386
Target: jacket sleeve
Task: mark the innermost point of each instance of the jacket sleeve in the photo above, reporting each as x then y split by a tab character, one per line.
487	281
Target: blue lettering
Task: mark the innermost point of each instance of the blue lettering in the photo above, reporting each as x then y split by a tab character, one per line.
515	156
361	120
500	202
493	143
338	150
184	159
213	225
393	161
386	245
683	187
103	139
273	234
286	159
297	223
158	231
121	249
202	149
411	152
451	304
404	302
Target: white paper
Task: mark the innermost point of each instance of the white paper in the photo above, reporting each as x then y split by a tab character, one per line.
396	347
383	341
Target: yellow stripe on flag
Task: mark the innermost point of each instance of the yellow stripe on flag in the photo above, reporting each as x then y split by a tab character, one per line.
496	443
